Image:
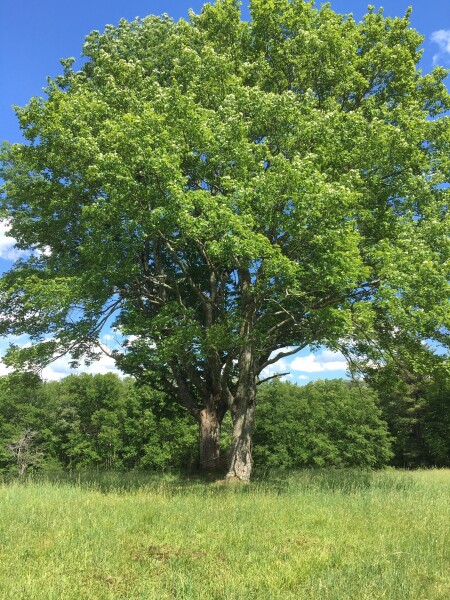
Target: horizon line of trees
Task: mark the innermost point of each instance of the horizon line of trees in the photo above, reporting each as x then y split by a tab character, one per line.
101	421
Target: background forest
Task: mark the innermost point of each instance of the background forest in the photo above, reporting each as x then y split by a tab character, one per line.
103	422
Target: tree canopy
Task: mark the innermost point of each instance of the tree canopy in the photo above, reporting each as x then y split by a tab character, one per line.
226	190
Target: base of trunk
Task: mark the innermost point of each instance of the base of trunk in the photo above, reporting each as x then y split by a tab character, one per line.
231	481
240	470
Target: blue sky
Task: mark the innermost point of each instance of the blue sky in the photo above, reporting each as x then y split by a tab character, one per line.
35	35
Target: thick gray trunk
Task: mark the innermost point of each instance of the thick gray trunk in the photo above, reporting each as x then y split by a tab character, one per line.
209	440
243	415
240	467
243	407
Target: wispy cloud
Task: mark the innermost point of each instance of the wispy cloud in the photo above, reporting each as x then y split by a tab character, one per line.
442	39
4	370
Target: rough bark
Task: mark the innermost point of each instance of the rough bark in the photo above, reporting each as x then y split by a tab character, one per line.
240	467
243	415
243	407
209	440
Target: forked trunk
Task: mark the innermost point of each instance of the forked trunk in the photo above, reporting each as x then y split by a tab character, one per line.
209	440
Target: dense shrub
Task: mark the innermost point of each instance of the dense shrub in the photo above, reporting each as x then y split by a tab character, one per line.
158	434
323	423
94	421
109	423
434	423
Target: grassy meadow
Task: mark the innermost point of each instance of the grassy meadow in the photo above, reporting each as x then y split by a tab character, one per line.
321	535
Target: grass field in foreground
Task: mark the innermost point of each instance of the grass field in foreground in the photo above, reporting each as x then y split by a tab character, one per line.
311	535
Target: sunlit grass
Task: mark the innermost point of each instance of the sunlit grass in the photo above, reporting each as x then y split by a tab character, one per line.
313	535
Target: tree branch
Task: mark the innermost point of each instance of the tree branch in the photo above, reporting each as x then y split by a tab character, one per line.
271	377
183	391
280	355
203	298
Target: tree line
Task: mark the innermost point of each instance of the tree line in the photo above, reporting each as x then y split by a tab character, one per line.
101	421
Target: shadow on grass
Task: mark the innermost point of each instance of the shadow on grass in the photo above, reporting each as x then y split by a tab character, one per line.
345	481
327	480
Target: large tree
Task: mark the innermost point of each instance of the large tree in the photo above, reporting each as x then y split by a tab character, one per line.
226	190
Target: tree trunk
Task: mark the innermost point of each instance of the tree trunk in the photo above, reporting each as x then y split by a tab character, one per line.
241	450
243	415
209	440
243	407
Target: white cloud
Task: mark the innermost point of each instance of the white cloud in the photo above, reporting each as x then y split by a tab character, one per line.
280	366
287	377
442	39
323	362
8	251
61	368
4	370
108	337
329	356
319	363
44	251
21	340
18	340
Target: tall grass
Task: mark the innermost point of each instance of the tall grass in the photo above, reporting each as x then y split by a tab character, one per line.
310	535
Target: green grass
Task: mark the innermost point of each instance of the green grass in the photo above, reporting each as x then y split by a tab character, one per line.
310	535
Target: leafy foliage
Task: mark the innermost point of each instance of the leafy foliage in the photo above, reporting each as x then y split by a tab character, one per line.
415	403
102	422
106	423
94	421
326	423
24	408
436	423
